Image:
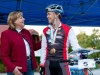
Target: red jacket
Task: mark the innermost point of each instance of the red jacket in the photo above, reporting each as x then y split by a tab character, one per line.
13	50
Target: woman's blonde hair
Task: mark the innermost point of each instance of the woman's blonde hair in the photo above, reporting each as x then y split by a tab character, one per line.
12	17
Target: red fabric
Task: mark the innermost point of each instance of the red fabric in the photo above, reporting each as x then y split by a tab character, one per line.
0	48
13	50
85	71
66	30
45	30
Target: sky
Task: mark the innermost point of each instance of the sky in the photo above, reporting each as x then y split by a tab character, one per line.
88	30
76	29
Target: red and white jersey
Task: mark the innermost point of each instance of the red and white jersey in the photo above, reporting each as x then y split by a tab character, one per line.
65	36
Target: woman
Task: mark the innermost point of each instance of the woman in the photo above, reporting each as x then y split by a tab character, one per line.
17	47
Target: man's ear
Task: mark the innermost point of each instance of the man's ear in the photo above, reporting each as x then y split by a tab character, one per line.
57	15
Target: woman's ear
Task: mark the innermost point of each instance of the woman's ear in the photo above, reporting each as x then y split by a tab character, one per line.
15	22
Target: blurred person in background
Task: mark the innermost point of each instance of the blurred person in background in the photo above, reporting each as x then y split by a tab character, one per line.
35	35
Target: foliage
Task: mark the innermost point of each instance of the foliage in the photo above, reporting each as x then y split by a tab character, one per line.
90	41
38	63
38	60
82	39
2	67
70	49
0	61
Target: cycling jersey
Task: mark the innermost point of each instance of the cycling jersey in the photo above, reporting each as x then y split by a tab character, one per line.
65	37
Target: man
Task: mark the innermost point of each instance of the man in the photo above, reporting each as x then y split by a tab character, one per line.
55	41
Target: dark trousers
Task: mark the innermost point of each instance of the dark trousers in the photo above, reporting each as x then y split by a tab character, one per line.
55	68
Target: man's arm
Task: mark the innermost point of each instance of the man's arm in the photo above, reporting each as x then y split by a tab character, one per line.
74	44
73	40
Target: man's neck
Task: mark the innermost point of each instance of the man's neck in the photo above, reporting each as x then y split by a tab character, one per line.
56	25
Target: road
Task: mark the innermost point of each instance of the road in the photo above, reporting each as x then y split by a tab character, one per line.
95	72
36	73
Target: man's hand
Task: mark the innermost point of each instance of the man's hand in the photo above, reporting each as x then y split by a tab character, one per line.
42	70
16	71
83	56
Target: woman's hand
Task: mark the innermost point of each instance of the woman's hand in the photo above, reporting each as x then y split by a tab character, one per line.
33	32
16	70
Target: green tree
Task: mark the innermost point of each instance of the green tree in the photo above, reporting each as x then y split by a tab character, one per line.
95	42
83	39
90	41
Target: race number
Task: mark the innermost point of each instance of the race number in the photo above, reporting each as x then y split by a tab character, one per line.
86	63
